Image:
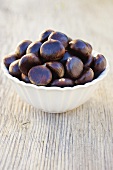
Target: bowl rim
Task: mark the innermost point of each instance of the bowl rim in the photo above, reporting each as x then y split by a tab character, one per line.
98	79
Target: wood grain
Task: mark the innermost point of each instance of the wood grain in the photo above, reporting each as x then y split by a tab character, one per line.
81	139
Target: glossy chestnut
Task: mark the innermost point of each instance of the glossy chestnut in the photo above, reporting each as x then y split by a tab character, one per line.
22	47
65	57
82	49
40	75
34	48
85	77
55	60
89	61
56	68
44	35
27	62
52	50
99	64
74	67
63	82
60	37
69	39
8	59
25	78
14	69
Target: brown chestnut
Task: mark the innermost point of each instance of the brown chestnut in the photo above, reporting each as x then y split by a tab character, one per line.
65	57
27	62
74	67
56	68
40	75
89	62
55	60
80	48
63	82
34	48
52	50
99	64
25	78
22	47
44	35
8	59
14	69
86	76
60	37
69	39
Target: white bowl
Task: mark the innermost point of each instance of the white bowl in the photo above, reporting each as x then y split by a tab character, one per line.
55	99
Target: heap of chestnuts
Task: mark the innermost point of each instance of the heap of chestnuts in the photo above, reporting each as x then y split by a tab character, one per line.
54	60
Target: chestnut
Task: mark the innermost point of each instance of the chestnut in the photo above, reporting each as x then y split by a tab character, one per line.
44	35
89	46
59	36
69	39
63	82
34	48
80	48
55	60
8	59
99	64
89	62
74	67
25	78
85	77
52	50
65	57
56	68
40	75
27	62
14	69
22	47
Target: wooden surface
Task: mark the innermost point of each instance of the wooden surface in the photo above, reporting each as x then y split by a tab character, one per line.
81	139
